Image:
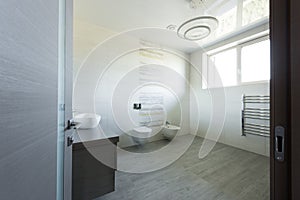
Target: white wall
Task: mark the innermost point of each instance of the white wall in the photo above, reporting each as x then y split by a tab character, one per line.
108	73
194	111
231	133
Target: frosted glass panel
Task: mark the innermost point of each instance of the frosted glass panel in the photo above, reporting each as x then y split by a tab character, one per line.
235	15
226	13
255	62
227	22
254	10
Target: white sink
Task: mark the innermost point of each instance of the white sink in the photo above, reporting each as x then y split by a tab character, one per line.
87	120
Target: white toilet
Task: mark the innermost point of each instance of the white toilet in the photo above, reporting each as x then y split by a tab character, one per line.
140	135
169	131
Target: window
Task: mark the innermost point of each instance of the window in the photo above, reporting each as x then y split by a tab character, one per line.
243	63
255	62
223	69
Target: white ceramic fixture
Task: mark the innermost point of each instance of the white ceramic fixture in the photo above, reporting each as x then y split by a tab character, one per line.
170	131
140	135
87	120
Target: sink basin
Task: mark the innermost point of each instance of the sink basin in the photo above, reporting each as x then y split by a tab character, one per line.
87	120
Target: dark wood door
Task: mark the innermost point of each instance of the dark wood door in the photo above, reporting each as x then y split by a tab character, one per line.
285	98
279	36
295	98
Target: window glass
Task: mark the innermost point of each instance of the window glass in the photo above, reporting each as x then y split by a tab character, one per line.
223	69
255	62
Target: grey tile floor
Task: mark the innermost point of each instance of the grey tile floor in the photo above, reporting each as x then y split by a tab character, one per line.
227	173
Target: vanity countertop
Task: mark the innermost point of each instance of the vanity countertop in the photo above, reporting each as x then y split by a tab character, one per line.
93	136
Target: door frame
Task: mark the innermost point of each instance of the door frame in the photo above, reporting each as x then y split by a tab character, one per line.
284	85
68	92
279	33
285	95
295	97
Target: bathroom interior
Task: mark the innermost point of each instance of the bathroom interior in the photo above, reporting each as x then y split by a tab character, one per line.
172	98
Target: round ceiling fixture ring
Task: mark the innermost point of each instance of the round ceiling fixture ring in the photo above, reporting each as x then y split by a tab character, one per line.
205	21
189	36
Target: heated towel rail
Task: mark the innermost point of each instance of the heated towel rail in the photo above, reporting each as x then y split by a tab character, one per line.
256	115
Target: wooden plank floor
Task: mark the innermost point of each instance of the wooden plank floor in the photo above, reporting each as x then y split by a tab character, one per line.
227	173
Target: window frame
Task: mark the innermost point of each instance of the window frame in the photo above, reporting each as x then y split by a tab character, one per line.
238	45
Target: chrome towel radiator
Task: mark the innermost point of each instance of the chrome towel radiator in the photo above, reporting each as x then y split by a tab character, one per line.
256	115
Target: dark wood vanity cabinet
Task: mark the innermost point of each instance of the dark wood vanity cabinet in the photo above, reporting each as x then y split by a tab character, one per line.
93	172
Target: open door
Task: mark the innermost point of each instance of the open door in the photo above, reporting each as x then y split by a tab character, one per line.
28	99
29	76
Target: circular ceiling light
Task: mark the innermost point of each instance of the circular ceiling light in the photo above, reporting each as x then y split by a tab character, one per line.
197	28
197	32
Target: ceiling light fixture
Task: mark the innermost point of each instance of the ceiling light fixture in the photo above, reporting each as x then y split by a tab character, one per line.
197	28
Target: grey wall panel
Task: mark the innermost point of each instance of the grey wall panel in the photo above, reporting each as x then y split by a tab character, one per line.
28	103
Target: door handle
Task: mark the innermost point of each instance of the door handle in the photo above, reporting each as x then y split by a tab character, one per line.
70	141
279	143
71	124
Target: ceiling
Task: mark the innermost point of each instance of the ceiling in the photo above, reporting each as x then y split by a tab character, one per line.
123	15
126	15
149	19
